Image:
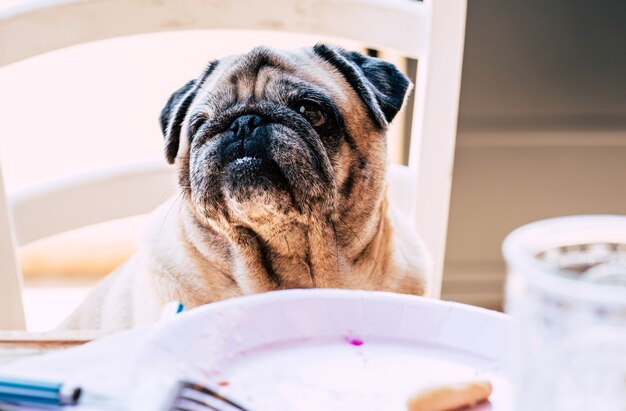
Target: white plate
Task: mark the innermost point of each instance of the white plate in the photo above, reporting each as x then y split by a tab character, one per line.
333	349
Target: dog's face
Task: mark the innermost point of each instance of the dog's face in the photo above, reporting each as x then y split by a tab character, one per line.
267	139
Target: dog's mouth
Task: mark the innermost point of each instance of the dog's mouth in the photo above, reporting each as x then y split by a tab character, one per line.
255	170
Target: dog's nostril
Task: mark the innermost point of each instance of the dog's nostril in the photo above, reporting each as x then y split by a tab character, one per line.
245	124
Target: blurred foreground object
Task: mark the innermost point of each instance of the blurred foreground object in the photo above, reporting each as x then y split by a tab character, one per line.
566	289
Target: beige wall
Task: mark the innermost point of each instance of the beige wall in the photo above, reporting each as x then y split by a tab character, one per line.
542	128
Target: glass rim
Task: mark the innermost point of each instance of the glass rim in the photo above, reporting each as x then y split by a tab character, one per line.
518	253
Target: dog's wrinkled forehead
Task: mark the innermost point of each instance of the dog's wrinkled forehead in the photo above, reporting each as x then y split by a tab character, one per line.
265	74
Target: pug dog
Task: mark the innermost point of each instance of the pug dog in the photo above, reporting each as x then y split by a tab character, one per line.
281	159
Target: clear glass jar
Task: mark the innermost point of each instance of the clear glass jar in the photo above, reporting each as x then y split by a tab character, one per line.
566	290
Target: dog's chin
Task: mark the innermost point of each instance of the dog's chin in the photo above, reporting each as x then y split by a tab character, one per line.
256	188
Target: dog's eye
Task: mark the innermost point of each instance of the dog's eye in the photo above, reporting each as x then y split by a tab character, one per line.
195	124
313	114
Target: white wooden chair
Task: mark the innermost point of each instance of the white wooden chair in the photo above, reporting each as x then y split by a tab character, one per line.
431	31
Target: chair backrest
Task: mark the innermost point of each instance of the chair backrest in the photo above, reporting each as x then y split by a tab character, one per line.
430	31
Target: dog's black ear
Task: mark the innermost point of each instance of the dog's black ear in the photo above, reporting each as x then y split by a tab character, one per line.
172	117
381	86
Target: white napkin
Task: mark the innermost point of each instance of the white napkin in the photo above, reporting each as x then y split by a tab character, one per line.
108	370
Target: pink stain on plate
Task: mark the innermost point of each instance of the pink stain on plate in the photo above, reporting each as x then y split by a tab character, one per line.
354	341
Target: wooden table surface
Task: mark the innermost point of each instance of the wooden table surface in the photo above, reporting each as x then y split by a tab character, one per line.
15	345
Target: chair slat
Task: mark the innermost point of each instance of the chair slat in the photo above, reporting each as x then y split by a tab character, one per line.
90	198
34	28
433	137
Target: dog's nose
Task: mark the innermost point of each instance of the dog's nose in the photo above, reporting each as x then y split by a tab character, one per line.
244	125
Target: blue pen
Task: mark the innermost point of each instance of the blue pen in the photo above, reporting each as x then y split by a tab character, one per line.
25	391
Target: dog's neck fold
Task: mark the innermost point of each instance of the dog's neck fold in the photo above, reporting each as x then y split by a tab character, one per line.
324	252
